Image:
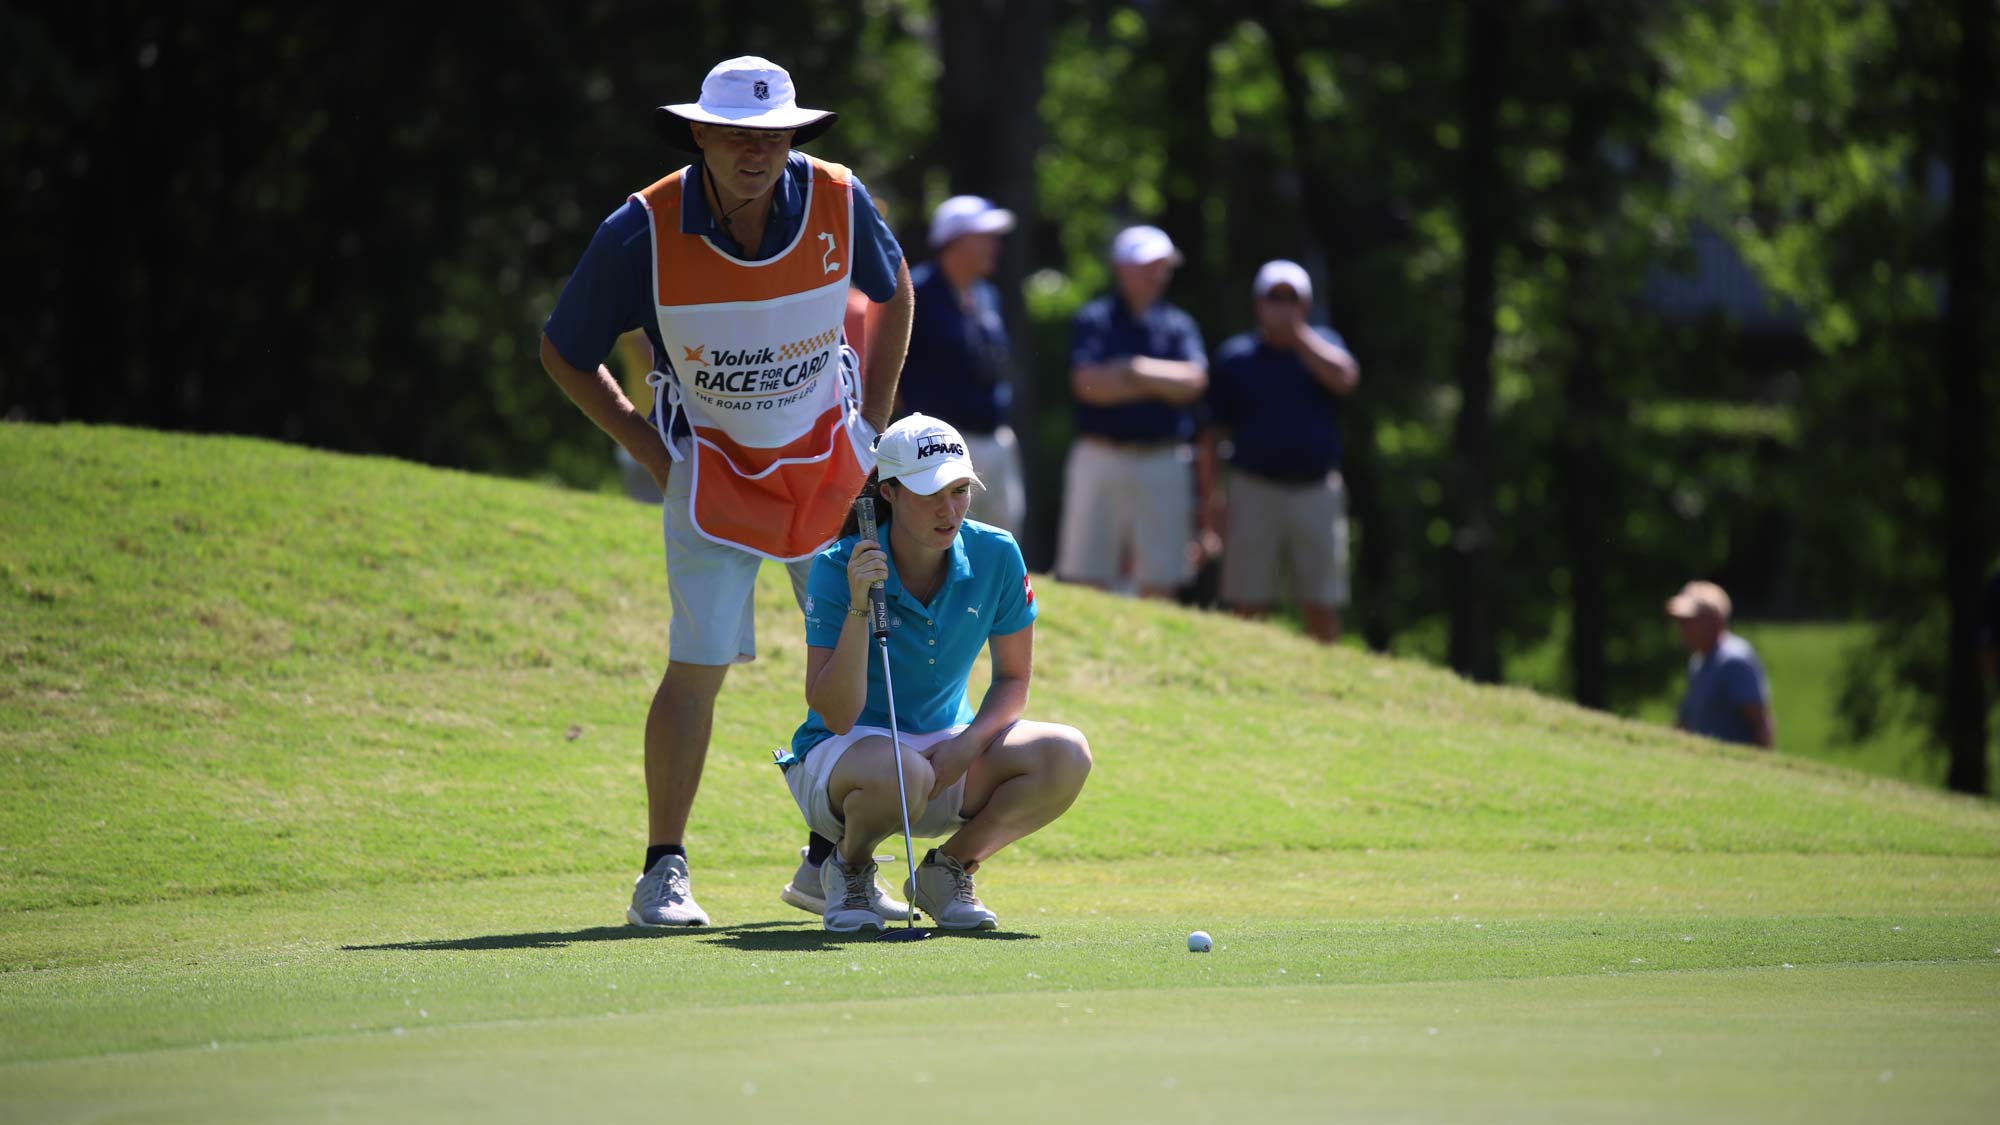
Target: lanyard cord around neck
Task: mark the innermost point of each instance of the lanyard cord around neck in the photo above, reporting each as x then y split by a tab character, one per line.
716	192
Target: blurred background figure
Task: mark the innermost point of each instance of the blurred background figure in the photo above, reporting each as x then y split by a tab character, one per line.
1136	369
1279	388
959	362
1727	695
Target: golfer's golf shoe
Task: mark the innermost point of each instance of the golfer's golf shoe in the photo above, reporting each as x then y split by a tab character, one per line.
804	892
850	897
944	891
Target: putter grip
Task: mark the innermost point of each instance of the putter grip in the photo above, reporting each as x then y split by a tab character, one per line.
878	601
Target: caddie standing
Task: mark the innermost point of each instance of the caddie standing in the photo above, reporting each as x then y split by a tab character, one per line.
737	267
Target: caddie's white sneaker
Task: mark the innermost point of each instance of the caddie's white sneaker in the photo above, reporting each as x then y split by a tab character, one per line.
849	897
661	897
804	892
944	891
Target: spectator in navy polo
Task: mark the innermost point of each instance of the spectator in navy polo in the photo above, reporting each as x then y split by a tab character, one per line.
1274	398
1136	369
1727	695
958	362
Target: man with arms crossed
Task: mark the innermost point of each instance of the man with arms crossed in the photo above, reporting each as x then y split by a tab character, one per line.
737	268
1136	367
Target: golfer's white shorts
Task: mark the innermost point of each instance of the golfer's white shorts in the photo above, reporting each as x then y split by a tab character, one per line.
808	781
1119	498
1305	525
713	587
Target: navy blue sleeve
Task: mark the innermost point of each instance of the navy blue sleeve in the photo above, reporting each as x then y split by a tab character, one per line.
995	321
877	254
1089	337
609	294
1191	347
1742	684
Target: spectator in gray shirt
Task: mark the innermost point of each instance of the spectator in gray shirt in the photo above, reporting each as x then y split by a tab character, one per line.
1727	695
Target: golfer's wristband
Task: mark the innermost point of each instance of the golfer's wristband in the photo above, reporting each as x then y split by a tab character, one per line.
860	612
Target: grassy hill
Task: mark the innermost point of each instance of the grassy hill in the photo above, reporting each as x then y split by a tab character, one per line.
239	667
269	716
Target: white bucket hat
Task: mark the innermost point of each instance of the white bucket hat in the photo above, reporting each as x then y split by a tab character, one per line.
926	454
1281	272
746	93
1139	246
968	214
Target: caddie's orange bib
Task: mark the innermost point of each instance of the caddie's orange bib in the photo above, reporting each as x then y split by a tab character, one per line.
759	365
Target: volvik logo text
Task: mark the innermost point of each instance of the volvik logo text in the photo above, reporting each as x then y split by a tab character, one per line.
757	379
757	358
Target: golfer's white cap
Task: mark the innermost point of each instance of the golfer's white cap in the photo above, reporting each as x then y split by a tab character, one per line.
968	214
925	454
1139	246
1291	275
748	93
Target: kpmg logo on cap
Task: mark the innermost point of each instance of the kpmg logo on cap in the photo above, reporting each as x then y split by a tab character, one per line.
949	447
761	89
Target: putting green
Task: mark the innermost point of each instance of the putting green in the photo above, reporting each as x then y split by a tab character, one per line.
517	1000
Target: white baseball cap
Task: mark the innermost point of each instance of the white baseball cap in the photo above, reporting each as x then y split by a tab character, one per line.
926	454
968	214
1138	246
746	93
1281	272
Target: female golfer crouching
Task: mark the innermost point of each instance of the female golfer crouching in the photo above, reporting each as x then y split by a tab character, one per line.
983	779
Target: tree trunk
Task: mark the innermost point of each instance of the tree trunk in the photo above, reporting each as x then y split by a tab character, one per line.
989	96
1583	384
1473	651
1374	561
1965	511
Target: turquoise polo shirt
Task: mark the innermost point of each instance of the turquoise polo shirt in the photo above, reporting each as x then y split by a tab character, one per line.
986	593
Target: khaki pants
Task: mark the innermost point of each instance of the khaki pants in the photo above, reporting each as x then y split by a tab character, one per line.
996	457
1118	498
1304	524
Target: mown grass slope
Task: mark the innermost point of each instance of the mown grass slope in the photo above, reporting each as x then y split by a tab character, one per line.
233	667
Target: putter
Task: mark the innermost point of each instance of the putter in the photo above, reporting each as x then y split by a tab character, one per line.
878	626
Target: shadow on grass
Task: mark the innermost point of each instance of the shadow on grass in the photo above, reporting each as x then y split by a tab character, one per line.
805	941
751	937
557	940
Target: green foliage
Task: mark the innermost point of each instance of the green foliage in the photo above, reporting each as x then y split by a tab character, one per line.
347	231
1814	134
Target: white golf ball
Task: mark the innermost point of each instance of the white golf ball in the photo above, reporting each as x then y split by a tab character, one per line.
1200	942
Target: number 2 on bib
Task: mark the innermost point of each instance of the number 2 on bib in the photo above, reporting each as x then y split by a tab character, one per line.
827	265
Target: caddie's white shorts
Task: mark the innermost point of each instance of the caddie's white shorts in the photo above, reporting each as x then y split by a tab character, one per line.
1119	497
808	782
713	587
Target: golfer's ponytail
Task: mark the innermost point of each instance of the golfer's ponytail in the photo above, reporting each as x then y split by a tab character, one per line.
872	489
